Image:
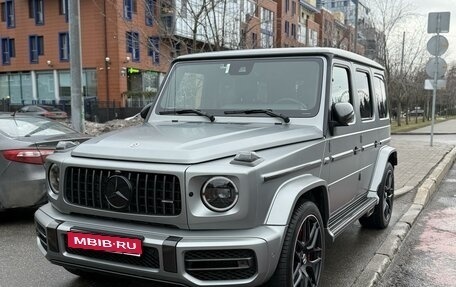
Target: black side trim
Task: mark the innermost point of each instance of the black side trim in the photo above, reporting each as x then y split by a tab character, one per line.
169	254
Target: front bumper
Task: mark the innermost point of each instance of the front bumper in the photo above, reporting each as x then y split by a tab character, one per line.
194	258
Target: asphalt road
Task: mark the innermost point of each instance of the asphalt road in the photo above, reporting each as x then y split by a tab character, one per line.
21	264
428	255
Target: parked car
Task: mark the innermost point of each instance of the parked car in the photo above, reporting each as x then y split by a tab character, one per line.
247	161
25	142
44	111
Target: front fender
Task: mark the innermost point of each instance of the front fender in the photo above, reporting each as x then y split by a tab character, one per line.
287	195
382	159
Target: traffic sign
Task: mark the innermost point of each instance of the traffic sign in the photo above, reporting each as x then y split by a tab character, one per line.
436	65
439	22
437	45
429	84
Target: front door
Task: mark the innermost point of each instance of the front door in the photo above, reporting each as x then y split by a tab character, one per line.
343	146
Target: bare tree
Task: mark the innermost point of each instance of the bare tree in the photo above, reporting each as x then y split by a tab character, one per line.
388	18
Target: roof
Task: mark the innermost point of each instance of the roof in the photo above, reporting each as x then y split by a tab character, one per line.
302	51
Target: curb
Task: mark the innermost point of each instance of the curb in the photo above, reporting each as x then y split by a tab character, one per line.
386	252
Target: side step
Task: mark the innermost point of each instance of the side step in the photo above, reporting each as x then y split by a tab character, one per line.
350	214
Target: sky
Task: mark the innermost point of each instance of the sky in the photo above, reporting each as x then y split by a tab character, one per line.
423	7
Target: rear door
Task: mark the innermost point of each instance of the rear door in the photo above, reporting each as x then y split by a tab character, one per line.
369	140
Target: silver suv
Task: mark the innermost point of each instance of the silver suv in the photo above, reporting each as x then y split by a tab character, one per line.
245	164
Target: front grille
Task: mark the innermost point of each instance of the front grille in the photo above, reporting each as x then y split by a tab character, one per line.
151	194
149	258
41	233
227	264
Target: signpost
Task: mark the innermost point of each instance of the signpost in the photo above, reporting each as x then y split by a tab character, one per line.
436	67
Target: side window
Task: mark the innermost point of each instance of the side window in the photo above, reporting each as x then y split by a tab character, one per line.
340	87
380	96
364	95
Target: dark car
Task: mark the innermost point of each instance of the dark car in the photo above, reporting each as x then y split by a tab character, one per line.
25	142
44	111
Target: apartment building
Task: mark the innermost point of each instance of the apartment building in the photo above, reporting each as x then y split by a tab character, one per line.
121	50
309	28
127	45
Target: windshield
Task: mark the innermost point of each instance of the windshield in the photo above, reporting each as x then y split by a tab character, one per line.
15	127
290	86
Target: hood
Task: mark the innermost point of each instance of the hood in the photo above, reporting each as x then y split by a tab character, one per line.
191	142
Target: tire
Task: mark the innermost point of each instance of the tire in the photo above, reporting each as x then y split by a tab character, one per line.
381	216
302	258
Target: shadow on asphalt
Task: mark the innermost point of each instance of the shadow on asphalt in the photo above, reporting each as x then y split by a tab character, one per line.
17	216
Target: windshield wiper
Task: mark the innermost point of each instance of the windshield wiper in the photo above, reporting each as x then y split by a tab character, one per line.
259	111
188	111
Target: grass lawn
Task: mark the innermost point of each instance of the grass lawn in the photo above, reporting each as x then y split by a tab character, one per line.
413	126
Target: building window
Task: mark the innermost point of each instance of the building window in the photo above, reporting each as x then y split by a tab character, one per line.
254	40
63	8
130	8
293	31
36	45
64	46
287	6
287	28
8	12
150	11
154	49
36	11
8	50
183	12
293	8
133	45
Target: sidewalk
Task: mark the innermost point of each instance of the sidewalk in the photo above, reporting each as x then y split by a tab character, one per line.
447	127
420	168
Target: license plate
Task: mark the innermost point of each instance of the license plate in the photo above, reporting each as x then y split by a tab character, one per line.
107	243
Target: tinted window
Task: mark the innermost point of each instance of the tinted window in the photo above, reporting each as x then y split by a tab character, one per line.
20	127
380	96
340	87
364	96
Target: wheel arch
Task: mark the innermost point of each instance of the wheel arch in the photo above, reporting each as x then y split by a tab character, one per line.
387	154
295	191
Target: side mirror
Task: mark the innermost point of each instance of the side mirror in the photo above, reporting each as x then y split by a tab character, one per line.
343	113
145	111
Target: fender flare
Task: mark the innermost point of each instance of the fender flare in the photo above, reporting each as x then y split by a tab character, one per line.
382	159
287	196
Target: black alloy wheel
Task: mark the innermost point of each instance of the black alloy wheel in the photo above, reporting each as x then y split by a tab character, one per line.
381	216
302	258
307	253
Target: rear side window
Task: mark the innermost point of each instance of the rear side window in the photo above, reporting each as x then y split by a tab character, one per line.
364	95
340	87
380	96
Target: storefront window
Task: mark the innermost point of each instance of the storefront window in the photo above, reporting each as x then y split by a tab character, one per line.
27	91
90	83
15	89
4	89
64	86
45	87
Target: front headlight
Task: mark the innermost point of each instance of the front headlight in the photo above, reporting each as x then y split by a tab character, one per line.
219	194
54	178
